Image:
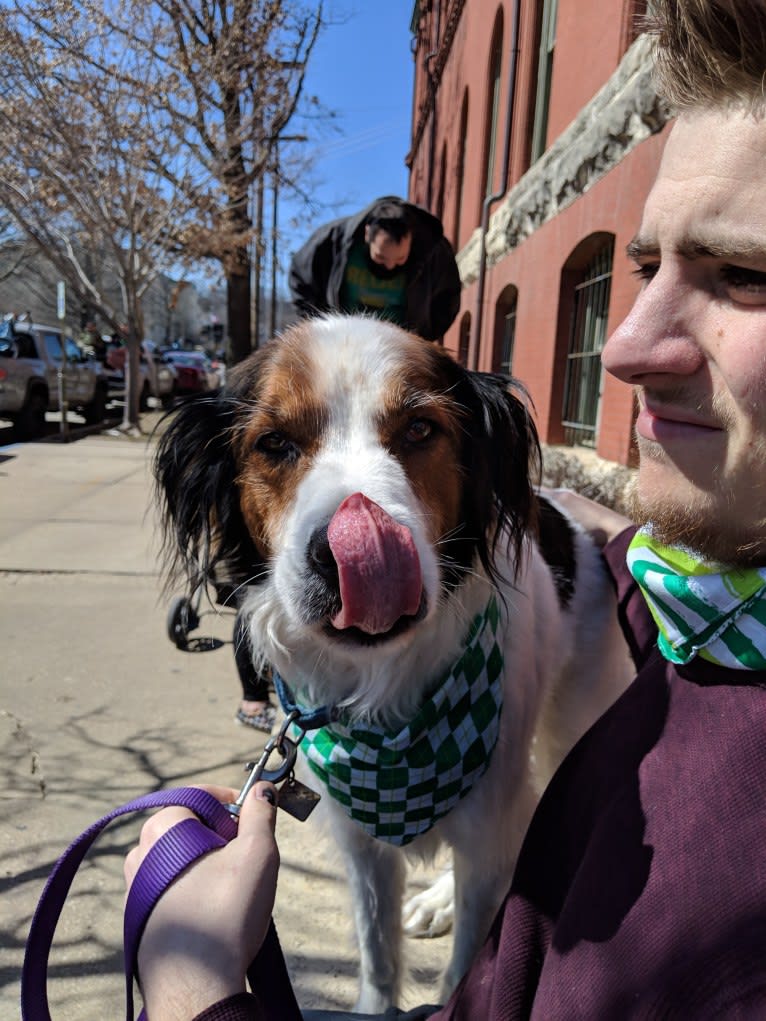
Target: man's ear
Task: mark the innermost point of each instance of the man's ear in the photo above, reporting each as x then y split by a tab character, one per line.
367	236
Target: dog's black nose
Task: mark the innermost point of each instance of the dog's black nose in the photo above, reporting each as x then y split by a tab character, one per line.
321	559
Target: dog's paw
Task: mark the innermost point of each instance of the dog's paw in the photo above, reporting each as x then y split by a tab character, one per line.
430	913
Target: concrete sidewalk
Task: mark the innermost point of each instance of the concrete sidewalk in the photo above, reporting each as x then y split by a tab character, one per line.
97	706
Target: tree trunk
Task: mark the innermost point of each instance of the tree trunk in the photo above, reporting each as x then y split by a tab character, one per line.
134	336
130	416
238	305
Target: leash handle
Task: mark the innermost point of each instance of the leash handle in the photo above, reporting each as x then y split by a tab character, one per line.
218	829
166	859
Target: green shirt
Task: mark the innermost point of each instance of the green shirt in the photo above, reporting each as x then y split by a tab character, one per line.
363	291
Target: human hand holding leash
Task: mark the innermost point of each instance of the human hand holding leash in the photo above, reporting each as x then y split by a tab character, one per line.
209	924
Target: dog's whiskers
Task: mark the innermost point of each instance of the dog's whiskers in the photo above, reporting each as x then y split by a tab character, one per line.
465	572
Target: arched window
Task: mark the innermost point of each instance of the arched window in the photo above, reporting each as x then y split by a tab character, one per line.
505	330
464	339
493	106
586	284
548	17
460	171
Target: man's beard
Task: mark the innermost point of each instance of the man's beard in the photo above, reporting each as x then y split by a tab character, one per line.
698	530
381	272
672	525
698	522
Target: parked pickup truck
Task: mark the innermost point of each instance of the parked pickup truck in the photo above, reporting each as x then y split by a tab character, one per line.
31	357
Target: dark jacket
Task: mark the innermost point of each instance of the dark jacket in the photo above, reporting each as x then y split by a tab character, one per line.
433	281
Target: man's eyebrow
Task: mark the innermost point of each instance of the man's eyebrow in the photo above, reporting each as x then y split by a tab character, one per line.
639	248
733	248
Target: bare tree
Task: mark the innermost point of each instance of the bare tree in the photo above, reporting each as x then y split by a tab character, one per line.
244	64
74	155
16	253
218	83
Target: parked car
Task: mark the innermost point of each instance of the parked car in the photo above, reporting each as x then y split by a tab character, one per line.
194	371
31	358
162	374
157	377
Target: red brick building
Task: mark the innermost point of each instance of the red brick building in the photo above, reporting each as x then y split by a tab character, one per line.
536	136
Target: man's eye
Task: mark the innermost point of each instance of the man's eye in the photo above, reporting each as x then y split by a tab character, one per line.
277	446
746	286
647	272
419	430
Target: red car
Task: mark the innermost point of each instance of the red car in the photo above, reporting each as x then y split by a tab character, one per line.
194	372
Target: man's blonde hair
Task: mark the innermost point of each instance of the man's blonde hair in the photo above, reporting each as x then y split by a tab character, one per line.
710	52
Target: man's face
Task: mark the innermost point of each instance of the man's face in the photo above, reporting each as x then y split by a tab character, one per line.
386	251
694	344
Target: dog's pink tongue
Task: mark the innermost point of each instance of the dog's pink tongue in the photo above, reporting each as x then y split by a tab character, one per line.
378	566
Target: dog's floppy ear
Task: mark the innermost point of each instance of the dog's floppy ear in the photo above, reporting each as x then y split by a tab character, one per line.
503	463
203	533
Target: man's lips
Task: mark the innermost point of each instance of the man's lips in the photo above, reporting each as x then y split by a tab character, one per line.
663	423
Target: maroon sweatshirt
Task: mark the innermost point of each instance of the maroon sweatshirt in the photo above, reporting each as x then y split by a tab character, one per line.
640	891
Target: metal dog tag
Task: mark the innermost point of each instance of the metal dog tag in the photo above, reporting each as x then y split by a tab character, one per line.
297	799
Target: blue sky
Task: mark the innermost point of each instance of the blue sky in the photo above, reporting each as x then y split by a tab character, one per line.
362	69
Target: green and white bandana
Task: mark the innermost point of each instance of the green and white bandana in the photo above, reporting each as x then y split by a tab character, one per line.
701	608
396	785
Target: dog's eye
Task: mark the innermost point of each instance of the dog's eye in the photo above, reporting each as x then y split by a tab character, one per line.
418	430
277	445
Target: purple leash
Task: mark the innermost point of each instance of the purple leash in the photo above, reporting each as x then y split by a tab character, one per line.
167	858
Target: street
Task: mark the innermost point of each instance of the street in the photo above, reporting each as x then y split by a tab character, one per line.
98	706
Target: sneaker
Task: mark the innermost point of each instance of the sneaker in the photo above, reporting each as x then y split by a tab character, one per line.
263	720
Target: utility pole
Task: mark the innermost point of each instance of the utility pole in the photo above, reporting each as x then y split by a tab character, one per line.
275	225
274	230
256	261
61	374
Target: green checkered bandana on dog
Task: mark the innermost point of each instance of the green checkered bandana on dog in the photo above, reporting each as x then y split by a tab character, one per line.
701	608
396	785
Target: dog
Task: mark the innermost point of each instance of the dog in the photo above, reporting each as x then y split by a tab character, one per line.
378	500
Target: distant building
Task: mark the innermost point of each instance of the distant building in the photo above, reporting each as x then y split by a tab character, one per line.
567	84
173	310
28	283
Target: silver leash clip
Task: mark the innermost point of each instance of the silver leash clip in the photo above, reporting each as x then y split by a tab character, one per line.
282	745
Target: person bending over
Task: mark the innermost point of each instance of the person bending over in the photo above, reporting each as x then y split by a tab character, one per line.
391	259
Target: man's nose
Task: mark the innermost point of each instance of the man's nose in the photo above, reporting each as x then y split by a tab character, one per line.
660	334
